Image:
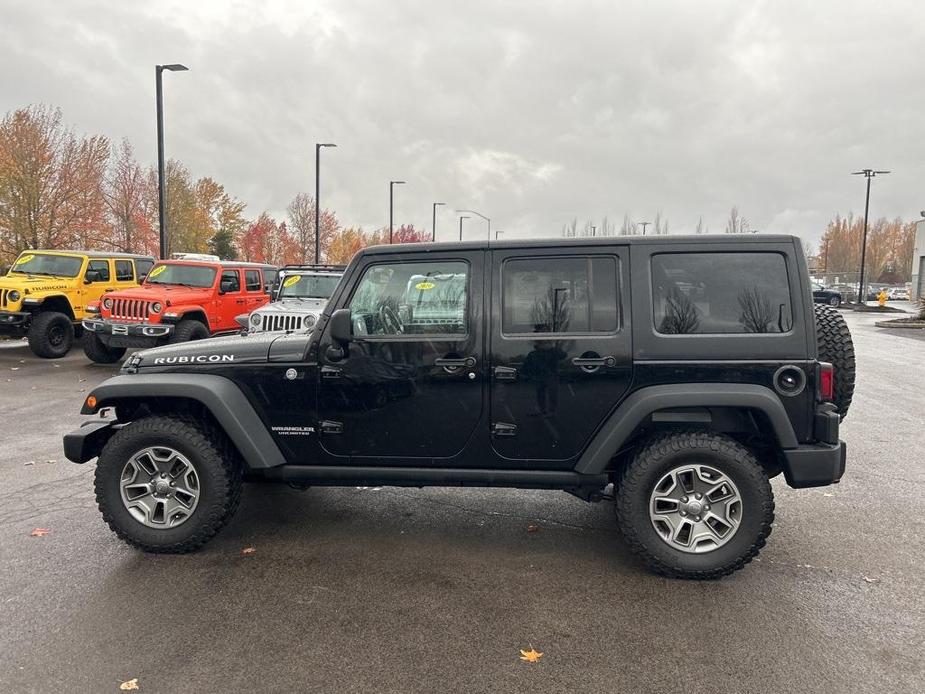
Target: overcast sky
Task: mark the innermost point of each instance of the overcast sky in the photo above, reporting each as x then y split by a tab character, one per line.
531	112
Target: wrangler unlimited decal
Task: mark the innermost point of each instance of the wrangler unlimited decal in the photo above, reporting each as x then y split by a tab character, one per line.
197	359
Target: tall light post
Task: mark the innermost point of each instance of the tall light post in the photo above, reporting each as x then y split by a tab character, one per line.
433	227
868	174
644	225
392	185
318	146
460	226
161	174
479	214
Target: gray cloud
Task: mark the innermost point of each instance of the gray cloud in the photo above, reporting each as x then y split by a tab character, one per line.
531	112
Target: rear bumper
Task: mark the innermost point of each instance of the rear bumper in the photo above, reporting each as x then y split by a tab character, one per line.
87	442
815	466
14	322
114	334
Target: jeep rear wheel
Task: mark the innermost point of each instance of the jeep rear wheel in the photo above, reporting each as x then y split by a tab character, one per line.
835	346
97	351
188	329
166	484
694	504
51	335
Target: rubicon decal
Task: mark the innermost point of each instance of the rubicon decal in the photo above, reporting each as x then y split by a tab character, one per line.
195	359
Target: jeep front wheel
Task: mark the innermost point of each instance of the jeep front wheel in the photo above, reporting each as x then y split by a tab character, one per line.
694	504
166	484
97	351
188	329
51	335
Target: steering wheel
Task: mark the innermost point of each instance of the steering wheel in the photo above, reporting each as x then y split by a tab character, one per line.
390	320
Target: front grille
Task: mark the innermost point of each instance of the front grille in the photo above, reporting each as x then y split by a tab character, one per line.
130	309
282	322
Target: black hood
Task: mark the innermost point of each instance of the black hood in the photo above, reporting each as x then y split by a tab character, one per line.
217	350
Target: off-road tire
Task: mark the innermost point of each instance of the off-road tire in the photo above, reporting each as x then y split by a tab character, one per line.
835	346
666	451
217	465
188	329
97	351
51	335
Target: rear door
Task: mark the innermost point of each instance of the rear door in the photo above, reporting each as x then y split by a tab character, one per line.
232	300
560	351
255	295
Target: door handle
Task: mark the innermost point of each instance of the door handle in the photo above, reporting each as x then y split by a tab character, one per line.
329	372
455	362
328	427
239	301
594	361
502	429
505	373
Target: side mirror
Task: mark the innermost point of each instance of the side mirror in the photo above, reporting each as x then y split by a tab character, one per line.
225	287
92	276
341	326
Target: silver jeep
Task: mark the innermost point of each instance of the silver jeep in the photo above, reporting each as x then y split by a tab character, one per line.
297	303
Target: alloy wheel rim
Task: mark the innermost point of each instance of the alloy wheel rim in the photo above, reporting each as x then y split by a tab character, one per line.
160	487
695	508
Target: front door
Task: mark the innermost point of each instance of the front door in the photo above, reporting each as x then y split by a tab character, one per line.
560	355
231	301
410	385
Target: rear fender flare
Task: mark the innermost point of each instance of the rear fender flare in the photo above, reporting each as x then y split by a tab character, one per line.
230	407
638	406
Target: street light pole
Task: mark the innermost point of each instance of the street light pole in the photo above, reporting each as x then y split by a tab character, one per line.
392	185
644	225
433	228
868	174
161	174
318	146
460	226
480	215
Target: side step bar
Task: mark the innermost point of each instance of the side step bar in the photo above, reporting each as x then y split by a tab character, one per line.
420	477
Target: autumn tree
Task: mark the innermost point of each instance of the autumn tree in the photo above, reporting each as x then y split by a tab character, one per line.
736	224
406	233
301	214
124	192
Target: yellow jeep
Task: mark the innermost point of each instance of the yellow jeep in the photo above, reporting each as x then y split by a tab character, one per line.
45	294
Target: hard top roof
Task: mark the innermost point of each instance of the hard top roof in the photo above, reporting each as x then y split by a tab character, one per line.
90	254
222	263
313	268
590	241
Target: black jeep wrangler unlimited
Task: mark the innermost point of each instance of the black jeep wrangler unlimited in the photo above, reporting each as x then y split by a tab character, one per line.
674	375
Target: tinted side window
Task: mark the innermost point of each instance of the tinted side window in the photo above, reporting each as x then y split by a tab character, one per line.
559	295
252	280
717	293
270	276
231	281
102	267
124	271
142	268
412	299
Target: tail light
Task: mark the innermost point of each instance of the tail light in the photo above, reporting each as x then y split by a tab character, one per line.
826	382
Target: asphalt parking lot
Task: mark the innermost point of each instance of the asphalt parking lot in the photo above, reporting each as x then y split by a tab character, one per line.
361	590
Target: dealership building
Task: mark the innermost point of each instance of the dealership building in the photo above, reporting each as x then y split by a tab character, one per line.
918	260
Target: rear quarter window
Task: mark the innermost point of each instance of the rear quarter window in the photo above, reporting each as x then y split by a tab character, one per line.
721	293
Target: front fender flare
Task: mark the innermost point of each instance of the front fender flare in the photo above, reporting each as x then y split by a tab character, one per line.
230	407
633	411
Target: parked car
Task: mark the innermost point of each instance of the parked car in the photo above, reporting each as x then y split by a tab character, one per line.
303	293
821	295
45	293
180	300
898	294
683	371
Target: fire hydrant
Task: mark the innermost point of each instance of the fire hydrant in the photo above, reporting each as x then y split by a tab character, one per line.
881	298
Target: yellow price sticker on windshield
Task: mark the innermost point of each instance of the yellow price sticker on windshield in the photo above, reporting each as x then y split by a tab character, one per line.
424	285
25	259
291	280
156	271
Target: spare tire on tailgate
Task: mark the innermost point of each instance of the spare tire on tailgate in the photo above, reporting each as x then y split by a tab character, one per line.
835	347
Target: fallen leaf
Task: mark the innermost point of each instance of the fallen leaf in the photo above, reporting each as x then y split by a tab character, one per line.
51	462
248	550
532	528
29	462
129	685
871	580
14	368
531	656
827	494
39	532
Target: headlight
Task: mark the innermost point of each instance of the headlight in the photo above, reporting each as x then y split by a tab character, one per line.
14	296
309	321
256	318
156	307
107	304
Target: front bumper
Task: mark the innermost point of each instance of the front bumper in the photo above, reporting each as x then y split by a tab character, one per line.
815	466
14	321
114	334
87	442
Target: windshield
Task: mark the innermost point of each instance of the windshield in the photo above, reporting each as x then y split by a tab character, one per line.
309	286
43	264
186	275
